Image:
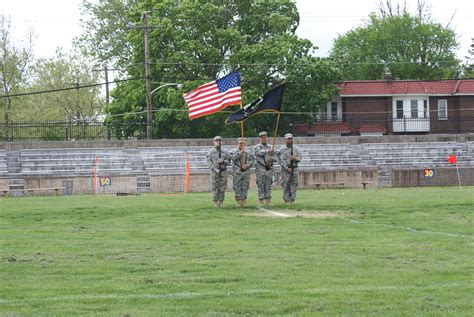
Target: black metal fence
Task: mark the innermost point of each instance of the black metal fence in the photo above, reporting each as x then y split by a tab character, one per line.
357	126
55	131
69	131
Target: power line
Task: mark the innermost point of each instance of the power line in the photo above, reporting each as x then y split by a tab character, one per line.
301	64
67	88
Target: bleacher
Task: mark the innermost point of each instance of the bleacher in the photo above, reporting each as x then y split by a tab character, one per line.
330	156
419	154
72	162
3	163
172	160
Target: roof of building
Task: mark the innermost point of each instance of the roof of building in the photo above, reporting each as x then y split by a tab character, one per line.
406	87
329	127
367	128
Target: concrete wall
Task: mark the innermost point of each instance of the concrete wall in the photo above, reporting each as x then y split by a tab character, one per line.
131	144
441	177
197	182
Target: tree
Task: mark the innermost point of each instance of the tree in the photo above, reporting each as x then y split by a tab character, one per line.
58	75
197	41
106	35
15	60
468	67
406	46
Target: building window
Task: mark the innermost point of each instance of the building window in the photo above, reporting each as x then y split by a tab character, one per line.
399	109
442	109
334	111
425	109
414	109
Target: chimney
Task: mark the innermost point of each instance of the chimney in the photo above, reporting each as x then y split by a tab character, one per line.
387	74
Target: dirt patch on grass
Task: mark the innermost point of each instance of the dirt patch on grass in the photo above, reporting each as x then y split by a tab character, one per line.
294	214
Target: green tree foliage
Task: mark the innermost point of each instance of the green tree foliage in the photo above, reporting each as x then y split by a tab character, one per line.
58	75
197	41
468	67
15	63
407	46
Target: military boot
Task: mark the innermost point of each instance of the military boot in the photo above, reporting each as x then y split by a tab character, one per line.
238	203
261	202
244	202
268	202
216	204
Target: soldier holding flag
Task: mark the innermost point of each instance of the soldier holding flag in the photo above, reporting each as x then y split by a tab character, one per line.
289	156
242	161
217	159
264	169
270	101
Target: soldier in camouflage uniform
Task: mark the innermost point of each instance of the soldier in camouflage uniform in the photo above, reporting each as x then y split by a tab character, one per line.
289	156
264	169
217	159
241	165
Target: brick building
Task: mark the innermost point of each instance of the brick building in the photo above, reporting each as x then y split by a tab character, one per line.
376	107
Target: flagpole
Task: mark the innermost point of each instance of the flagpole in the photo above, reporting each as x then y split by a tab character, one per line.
459	178
276	131
243	140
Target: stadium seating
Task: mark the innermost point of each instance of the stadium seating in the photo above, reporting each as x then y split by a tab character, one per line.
172	160
131	170
3	163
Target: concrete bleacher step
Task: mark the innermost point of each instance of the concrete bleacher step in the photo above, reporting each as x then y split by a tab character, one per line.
3	163
143	184
169	160
385	178
16	187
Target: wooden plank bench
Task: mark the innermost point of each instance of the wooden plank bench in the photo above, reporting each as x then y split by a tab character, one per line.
57	190
319	184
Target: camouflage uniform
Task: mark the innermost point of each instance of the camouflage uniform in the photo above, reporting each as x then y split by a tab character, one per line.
241	178
289	170
264	171
218	173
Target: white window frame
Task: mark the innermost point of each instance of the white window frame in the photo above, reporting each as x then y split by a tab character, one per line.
442	103
329	113
415	113
407	106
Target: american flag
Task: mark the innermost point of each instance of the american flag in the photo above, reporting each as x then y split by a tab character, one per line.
214	96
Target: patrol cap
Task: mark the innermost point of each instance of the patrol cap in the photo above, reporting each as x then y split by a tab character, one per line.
240	140
288	136
218	138
263	133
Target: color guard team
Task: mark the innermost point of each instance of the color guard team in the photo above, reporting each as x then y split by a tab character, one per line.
262	157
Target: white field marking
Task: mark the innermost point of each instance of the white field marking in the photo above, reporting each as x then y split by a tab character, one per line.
190	295
278	214
448	234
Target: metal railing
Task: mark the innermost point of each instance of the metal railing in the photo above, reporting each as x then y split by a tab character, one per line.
75	130
383	126
55	131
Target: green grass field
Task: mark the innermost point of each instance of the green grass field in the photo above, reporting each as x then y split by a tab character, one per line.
386	252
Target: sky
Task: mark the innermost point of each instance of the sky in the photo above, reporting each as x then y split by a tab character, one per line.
55	22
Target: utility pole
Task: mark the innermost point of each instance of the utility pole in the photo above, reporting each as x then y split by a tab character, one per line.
106	71
149	106
107	100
